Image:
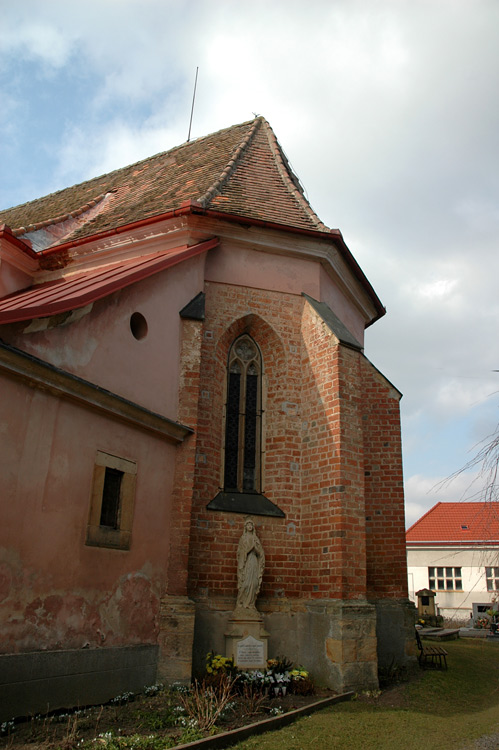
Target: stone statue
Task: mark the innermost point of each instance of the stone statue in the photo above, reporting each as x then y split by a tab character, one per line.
250	565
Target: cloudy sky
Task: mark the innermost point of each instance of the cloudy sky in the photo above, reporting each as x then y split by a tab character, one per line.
389	114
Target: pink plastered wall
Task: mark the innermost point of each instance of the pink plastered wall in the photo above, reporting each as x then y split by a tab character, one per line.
346	311
100	346
235	264
55	591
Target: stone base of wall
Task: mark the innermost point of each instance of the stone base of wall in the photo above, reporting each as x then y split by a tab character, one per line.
395	620
176	634
42	681
334	639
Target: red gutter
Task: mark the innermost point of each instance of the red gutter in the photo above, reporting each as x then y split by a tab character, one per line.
182	211
6	233
63	296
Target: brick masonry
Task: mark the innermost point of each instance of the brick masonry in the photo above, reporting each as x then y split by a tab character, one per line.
332	458
331	462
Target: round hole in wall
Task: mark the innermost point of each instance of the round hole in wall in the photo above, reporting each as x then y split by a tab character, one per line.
138	325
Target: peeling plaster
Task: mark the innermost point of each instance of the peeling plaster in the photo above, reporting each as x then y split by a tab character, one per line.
74	619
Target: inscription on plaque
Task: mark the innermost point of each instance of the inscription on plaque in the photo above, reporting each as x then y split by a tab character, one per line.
250	653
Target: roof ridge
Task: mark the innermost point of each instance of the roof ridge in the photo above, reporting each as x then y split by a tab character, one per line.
226	173
19	231
290	179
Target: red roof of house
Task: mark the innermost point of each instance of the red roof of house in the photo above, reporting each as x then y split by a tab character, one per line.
80	289
456	523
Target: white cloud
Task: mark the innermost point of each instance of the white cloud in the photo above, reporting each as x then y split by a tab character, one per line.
36	40
458	397
438	290
480	214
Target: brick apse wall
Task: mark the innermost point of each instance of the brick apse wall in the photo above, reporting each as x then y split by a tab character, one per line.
331	463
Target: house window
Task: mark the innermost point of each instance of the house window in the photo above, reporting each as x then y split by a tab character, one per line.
445	579
112	501
243	417
492	578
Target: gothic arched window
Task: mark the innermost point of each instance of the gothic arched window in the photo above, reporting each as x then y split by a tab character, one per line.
243	417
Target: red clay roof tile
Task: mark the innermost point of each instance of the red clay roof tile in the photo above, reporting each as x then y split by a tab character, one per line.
456	523
240	170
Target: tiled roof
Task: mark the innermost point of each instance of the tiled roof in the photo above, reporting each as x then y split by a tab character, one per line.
80	289
456	523
241	170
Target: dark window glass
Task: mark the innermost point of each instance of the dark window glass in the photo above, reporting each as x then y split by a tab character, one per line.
243	417
232	431
111	493
250	434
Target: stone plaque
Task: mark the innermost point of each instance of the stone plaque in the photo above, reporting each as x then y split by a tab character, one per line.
250	652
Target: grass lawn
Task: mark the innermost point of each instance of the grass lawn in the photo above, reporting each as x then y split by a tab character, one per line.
439	709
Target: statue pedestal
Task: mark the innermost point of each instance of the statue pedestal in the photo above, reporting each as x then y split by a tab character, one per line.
246	640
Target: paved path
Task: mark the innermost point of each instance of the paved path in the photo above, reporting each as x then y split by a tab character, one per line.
487	742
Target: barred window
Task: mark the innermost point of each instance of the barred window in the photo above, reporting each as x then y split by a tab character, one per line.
243	417
445	579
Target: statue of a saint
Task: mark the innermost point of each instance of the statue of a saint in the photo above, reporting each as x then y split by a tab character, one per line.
250	565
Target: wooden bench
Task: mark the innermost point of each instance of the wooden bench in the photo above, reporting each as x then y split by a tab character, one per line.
431	655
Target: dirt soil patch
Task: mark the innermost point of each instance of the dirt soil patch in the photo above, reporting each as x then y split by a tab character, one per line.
142	722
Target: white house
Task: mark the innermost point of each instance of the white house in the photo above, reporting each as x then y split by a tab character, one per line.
454	551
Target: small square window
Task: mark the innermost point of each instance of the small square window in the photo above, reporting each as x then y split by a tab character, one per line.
112	501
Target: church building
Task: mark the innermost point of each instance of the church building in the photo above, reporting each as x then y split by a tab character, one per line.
181	350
